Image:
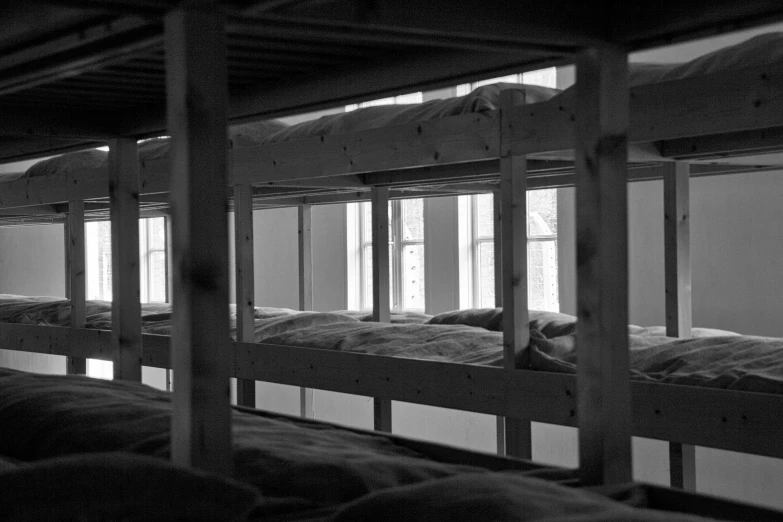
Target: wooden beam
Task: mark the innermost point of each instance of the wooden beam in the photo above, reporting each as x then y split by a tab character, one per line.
497	231
382	409
305	243
106	52
725	419
387	35
602	266
197	91
497	245
676	210
124	210
245	285
516	332
380	254
75	288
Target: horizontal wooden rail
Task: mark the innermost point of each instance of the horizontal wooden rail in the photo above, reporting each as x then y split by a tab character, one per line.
726	419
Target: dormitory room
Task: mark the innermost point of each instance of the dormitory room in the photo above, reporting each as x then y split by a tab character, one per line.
345	260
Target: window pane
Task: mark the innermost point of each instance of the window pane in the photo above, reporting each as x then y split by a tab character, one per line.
484	215
157	277
413	219
542	276
367	232
486	272
157	233
542	212
98	245
367	297
413	277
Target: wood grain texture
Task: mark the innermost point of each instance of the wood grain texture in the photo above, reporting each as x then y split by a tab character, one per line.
75	277
677	261
196	97
725	419
305	250
382	410
245	286
126	306
497	245
748	99
513	255
602	266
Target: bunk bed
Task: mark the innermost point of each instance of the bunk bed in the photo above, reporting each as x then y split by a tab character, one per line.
253	144
496	141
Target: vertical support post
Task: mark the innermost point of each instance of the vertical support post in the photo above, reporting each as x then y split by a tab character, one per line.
124	210
497	240
305	236
497	244
245	286
516	330
604	404
196	85
75	282
380	287
676	209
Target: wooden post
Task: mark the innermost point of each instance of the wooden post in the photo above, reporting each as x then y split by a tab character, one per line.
196	85
604	399
516	330
305	236
75	281
245	286
676	209
380	286
124	209
497	240
497	244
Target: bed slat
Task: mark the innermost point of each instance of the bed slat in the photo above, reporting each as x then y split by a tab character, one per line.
676	209
196	97
602	265
124	209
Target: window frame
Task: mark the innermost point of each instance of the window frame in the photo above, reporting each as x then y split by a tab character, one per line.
397	245
474	241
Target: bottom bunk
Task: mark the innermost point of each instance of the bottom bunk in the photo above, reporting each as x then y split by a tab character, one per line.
72	447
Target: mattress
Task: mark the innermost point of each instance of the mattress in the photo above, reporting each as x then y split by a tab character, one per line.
100	445
760	50
712	358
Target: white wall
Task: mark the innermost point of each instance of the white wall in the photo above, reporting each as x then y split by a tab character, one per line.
32	262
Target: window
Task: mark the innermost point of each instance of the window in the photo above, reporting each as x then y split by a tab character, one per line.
541	250
406	254
153	270
479	262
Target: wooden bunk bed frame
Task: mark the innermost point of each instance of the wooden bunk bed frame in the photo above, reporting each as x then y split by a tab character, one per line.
604	118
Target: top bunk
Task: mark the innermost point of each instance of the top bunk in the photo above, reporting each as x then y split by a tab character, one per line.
79	72
453	145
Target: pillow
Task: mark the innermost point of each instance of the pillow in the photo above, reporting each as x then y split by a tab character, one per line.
119	486
550	324
487	318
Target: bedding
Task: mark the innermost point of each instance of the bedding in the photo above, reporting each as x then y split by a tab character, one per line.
480	100
100	445
119	486
760	50
713	358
